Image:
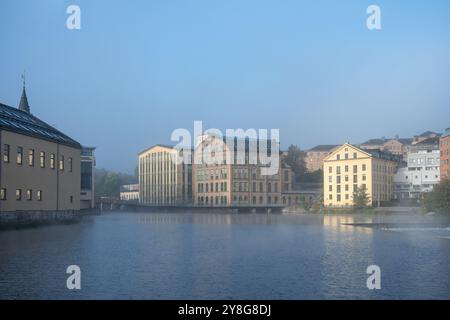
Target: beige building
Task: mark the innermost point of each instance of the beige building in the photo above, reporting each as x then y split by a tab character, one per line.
315	156
163	179
350	167
229	182
40	166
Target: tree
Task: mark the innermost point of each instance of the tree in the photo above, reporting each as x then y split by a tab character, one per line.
296	160
107	183
439	199
360	198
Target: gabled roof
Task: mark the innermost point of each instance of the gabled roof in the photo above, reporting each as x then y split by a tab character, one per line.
350	146
371	153
428	141
154	146
15	120
324	147
375	142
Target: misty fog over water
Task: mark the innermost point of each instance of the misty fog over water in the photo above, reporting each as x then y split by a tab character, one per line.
230	256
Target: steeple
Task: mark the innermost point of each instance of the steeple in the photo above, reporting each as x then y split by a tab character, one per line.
23	105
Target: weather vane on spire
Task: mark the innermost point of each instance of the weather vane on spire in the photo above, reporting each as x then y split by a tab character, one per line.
23	78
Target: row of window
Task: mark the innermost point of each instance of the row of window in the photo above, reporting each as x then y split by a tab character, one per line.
338	188
346	169
31	158
209	187
29	194
346	178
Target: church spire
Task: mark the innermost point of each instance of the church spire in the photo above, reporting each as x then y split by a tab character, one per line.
23	105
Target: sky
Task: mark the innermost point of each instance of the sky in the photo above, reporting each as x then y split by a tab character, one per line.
137	70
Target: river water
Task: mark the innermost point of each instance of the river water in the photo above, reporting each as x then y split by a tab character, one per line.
229	256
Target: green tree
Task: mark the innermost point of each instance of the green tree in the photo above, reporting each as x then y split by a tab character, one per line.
296	160
360	198
107	183
438	200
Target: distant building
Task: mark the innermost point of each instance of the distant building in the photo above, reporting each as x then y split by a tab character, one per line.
397	146
374	144
349	167
315	156
40	165
229	182
162	181
129	192
424	136
444	145
428	144
421	175
87	195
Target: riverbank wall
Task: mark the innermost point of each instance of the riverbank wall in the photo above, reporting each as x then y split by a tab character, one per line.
27	219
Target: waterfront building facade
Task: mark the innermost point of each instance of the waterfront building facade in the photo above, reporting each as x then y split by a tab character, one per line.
228	182
40	165
421	175
444	146
315	156
87	167
349	168
129	192
164	180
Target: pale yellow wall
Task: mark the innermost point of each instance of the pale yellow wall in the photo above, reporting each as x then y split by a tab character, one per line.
14	176
378	176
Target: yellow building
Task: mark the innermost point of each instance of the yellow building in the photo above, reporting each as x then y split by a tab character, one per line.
163	180
349	168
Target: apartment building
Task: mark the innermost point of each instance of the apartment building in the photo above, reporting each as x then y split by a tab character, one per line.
225	181
164	180
444	146
348	168
40	165
420	175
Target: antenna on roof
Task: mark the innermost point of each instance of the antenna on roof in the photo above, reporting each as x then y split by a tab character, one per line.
23	78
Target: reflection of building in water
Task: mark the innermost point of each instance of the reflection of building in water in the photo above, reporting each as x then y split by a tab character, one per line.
345	223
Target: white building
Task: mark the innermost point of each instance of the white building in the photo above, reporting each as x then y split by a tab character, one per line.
420	176
129	192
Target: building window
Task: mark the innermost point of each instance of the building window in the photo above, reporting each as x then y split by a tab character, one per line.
61	163
31	157
363	167
71	199
29	194
39	195
338	157
52	161
2	194
18	194
70	164
355	155
19	155
42	159
6	153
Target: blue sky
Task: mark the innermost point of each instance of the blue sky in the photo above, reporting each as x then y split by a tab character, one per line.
137	70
